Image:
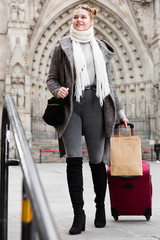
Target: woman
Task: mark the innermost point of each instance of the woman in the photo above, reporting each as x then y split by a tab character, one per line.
80	74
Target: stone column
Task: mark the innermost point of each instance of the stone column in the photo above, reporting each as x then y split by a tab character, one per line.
156	59
17	82
3	51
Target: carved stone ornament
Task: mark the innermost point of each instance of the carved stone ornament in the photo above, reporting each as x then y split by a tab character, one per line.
14	12
21	98
133	107
122	89
142	105
132	88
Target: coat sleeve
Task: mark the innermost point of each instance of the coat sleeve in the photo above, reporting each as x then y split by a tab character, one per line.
119	109
53	79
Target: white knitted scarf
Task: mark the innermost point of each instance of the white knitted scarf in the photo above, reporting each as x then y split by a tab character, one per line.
82	78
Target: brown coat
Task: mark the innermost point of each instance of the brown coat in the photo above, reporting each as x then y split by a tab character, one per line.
62	73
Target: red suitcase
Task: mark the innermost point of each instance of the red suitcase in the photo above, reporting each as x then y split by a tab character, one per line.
131	195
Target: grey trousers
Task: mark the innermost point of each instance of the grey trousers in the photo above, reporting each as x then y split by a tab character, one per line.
87	120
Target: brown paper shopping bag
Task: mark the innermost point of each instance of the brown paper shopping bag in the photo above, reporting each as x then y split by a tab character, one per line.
125	156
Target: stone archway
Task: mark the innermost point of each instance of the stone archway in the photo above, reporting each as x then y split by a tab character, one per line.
132	66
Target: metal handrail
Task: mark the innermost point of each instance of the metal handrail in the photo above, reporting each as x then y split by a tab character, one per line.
45	225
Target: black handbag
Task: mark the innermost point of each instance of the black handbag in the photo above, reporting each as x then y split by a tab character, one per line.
54	112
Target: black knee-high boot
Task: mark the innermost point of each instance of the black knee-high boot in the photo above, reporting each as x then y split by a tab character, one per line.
75	185
99	176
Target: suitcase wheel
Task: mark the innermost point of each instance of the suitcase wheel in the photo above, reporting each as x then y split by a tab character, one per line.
116	217
147	217
148	213
114	213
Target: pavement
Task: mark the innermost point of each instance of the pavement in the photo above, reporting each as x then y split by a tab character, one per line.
53	178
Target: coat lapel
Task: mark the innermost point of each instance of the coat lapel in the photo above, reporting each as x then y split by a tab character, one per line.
66	45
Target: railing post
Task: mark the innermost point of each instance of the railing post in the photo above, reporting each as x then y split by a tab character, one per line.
40	155
28	229
151	154
4	177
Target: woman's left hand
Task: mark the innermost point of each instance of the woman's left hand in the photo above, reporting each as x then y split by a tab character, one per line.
125	120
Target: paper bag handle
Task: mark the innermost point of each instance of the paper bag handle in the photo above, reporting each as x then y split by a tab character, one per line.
131	125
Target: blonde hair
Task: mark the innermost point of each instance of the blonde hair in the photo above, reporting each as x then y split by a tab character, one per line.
92	11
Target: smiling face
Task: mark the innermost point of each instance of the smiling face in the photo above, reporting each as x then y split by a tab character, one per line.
82	20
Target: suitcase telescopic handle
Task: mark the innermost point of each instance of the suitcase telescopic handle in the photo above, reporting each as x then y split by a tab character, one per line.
131	125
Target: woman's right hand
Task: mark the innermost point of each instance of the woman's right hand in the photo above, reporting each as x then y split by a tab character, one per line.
63	92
